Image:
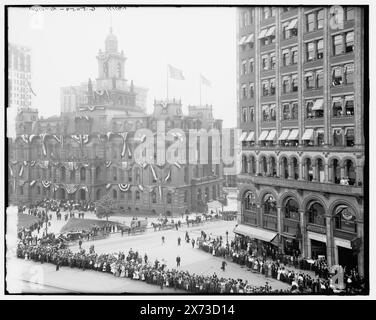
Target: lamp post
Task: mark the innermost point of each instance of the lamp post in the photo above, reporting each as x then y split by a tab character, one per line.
226	236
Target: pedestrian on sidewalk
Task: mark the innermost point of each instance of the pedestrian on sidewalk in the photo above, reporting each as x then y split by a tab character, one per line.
178	261
193	243
146	258
80	244
179	240
224	263
163	240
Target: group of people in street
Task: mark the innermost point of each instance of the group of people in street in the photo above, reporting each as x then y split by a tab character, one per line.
133	266
270	262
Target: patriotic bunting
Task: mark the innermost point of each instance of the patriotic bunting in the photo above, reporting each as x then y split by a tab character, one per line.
10	170
91	108
129	152
32	163
25	163
124	165
25	138
21	171
153	172
124	187
177	164
84	187
108	185
32	183
124	136
168	177
140	187
108	163
46	184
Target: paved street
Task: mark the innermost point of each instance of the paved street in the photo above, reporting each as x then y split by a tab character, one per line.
192	259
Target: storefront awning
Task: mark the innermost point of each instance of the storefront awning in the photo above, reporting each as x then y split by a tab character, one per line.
293	135
242	137
271	31
250	38
251	136
255	233
271	135
263	135
242	40
318	105
308	134
292	24
263	33
284	135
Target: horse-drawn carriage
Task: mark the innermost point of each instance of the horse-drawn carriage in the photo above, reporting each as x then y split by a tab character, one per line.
163	224
138	225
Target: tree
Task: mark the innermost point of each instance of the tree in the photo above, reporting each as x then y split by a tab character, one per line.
104	207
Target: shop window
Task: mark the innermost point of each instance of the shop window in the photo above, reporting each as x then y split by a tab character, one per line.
350	138
294	111
320	19
294	56
272	87
244	115
310	49
319	79
337	76
337	108
350	13
310	113
294	83
285	58
349	41
309	80
349	73
285	84
349	106
310	22
320	49
338	44
286	111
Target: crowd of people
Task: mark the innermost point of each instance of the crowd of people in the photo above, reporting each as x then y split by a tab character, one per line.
136	267
271	262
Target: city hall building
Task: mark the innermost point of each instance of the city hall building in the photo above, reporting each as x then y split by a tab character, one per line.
300	85
88	150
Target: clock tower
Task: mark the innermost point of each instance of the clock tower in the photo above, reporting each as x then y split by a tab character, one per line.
111	66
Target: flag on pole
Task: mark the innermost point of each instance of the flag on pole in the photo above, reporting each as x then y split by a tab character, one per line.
205	81
175	73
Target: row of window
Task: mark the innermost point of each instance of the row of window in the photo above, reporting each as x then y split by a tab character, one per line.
314	79
313	20
341	106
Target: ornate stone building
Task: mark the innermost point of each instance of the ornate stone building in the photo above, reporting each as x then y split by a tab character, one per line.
88	151
301	110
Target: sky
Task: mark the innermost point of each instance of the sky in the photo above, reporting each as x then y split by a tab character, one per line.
64	46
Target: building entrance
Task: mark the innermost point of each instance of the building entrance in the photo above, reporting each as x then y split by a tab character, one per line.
318	248
346	258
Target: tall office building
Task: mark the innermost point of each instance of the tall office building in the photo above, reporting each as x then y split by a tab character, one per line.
19	76
301	110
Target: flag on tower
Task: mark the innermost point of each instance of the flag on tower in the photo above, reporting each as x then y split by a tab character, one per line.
175	73
205	81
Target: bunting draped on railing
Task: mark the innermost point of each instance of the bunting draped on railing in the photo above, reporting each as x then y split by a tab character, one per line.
108	163
43	138
25	138
32	163
21	171
46	184
143	165
91	108
25	163
10	170
83	117
124	137
32	183
84	187
177	164
124	187
102	92
72	165
59	139
129	152
168	177
14	162
141	188
108	185
153	172
81	139
55	187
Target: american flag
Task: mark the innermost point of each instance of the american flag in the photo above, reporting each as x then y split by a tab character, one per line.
175	73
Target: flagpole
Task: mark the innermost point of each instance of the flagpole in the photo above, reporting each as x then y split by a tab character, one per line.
200	91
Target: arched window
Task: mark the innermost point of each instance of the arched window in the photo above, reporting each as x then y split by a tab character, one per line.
291	209
273	167
336	171
337	137
320	170
137	195
82	174
295	168
316	214
345	219
263	165
270	205
244	164
249	201
169	198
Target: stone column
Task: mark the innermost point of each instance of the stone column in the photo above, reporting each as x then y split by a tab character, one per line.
361	252
92	175
259	215
315	173
249	165
303	242
329	241
301	170
278	168
279	227
359	174
240	212
268	166
257	166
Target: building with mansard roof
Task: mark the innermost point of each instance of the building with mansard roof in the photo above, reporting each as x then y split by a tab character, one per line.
88	150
